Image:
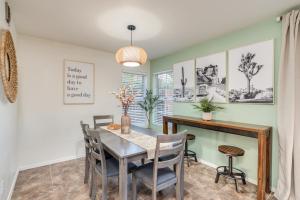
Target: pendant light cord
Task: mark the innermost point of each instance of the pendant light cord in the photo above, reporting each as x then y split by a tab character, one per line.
131	28
131	37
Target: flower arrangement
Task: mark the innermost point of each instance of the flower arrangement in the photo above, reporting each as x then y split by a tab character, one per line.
126	96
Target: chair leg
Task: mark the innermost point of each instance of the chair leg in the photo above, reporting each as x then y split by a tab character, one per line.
154	194
87	168
93	186
178	191
236	185
217	178
244	179
188	161
134	189
104	187
195	157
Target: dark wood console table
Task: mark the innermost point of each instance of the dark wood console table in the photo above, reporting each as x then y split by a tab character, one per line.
262	133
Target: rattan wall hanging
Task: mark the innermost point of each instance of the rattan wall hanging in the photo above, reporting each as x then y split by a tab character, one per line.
8	66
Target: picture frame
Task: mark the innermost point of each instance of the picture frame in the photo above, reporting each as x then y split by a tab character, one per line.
184	81
251	73
211	77
78	82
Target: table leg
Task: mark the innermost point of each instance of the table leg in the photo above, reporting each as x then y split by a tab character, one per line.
123	178
261	172
268	163
174	128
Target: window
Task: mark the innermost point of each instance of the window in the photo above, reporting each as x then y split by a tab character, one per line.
138	84
164	89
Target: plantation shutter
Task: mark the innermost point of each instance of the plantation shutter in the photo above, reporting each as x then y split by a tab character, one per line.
138	84
164	89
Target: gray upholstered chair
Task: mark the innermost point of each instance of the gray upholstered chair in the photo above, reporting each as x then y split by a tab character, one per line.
84	128
157	175
101	165
103	120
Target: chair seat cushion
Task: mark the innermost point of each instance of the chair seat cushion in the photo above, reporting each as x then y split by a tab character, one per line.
112	166
163	175
168	157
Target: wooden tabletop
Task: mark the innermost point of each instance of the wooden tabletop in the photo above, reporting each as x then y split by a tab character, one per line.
250	130
122	148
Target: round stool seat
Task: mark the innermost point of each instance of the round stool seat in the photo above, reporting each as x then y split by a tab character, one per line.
190	137
231	150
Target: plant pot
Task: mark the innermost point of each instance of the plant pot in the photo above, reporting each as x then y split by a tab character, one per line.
125	124
207	116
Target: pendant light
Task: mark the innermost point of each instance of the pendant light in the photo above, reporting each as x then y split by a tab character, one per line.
131	56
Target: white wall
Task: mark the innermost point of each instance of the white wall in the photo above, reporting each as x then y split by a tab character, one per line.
8	128
49	131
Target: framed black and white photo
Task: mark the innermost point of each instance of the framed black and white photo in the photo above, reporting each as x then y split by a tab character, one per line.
211	77
251	73
184	81
78	82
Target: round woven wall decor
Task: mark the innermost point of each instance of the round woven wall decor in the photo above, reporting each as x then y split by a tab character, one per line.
8	66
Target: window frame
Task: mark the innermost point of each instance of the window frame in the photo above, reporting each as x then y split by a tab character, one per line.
155	92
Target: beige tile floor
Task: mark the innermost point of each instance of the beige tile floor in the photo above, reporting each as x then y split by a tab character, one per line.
64	181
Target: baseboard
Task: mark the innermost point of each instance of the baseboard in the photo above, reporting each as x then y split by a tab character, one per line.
12	187
50	162
250	180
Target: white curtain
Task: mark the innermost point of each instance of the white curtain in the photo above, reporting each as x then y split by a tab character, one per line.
288	187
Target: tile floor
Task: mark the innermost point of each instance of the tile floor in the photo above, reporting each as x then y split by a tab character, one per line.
64	181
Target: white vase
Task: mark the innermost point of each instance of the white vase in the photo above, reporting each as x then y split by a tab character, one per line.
207	116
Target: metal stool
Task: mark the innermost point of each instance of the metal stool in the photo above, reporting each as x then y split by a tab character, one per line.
189	153
230	171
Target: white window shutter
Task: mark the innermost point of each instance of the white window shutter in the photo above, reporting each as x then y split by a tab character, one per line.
164	89
138	84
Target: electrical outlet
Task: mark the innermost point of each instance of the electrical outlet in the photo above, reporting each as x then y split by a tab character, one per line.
1	188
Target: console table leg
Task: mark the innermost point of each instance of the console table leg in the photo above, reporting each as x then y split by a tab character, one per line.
165	126
261	172
268	163
174	128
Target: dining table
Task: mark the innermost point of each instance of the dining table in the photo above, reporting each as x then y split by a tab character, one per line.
126	151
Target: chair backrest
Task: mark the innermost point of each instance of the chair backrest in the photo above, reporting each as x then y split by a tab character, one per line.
97	151
173	152
103	120
84	128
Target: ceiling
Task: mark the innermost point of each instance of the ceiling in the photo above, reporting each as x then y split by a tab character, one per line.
163	26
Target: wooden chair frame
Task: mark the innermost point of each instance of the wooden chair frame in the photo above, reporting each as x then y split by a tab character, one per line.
84	128
102	117
177	150
98	155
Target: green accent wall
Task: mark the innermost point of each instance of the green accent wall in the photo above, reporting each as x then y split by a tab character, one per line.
206	144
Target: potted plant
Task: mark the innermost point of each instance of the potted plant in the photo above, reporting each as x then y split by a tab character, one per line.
126	96
149	103
207	107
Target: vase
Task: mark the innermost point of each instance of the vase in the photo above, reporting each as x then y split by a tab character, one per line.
207	116
125	124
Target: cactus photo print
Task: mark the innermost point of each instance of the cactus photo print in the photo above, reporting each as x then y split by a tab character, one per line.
251	73
184	81
211	77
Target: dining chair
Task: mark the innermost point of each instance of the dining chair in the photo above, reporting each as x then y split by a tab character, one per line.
102	166
158	175
103	120
84	128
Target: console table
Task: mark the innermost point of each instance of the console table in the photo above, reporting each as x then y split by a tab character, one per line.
262	133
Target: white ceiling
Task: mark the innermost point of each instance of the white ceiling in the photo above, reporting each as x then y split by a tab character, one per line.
163	26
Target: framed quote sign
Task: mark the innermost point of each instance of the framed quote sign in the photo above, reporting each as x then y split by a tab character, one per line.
78	82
